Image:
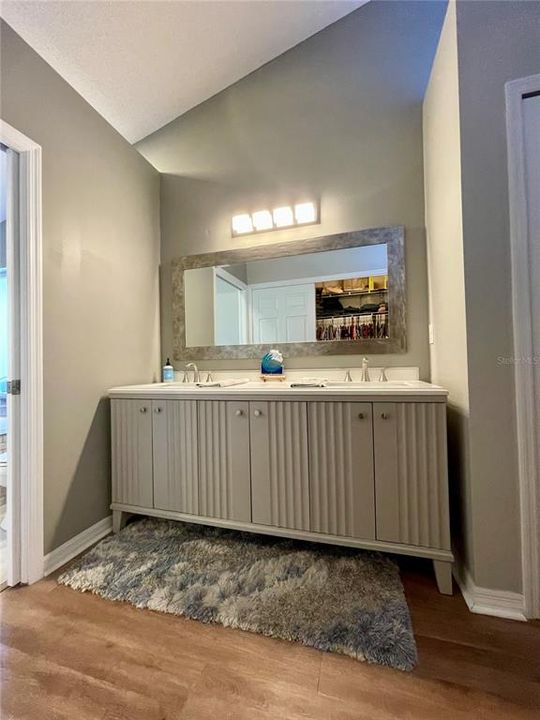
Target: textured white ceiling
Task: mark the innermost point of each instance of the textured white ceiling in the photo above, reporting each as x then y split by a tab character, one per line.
142	63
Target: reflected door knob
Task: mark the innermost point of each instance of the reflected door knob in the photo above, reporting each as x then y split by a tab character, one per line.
142	410
385	416
257	413
361	416
157	410
239	413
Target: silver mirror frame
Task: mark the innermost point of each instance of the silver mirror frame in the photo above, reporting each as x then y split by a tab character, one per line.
393	237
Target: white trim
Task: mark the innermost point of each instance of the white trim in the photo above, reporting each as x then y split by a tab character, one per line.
483	601
31	337
78	544
220	272
528	471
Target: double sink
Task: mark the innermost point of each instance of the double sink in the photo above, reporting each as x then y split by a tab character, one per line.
292	387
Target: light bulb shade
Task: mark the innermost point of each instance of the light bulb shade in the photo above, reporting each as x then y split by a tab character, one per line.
283	216
305	213
262	220
242	224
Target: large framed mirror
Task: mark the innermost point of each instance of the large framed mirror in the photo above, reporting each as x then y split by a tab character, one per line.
332	295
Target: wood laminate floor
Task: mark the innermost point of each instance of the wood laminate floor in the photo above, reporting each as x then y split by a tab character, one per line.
78	657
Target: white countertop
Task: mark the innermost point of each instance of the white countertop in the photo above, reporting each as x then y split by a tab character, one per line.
259	389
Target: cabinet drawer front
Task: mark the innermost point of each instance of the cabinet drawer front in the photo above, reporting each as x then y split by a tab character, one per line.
411	482
175	455
224	460
342	493
279	464
131	440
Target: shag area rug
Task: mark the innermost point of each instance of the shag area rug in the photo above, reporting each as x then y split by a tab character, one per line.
335	599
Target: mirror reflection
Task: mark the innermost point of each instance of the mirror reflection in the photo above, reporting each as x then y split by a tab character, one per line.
316	297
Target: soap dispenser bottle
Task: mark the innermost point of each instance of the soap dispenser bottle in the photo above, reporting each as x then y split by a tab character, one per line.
168	372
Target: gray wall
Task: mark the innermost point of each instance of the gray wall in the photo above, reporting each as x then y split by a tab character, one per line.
339	117
497	42
442	182
100	261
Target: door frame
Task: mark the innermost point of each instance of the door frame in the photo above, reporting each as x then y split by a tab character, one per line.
26	535
528	470
222	274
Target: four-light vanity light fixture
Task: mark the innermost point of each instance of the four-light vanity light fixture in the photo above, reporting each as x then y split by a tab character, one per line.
304	213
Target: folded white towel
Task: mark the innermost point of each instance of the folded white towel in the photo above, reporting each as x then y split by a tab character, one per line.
309	382
223	383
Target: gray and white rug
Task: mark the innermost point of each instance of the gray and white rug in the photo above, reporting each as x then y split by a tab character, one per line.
335	599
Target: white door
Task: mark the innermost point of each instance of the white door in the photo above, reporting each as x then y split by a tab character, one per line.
531	136
283	313
531	127
230	313
523	134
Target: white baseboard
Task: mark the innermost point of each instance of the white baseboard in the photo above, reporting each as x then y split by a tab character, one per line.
70	549
483	601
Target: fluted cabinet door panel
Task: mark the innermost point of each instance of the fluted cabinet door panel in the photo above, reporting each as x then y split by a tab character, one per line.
342	492
224	460
411	477
176	481
279	464
131	438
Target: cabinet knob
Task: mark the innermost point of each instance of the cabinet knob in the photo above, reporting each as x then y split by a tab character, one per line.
361	416
142	410
257	413
157	410
385	416
239	413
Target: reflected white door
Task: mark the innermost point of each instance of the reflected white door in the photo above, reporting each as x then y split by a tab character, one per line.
230	313
283	313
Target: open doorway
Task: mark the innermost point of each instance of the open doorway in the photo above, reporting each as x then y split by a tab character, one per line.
21	360
9	366
3	366
523	131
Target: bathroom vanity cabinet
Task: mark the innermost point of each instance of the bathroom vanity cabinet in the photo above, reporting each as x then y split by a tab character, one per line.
346	468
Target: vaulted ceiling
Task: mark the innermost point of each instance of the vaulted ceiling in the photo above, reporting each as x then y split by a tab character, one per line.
141	64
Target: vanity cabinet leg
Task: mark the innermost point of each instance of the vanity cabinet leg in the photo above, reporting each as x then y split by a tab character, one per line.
443	575
119	518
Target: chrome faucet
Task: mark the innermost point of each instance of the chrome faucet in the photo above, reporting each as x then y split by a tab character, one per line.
383	377
209	377
348	376
365	371
196	373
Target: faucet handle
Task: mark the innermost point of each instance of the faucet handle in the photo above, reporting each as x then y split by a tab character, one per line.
348	376
185	378
383	377
209	376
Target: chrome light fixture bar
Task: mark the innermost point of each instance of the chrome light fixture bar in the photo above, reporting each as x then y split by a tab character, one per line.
285	216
